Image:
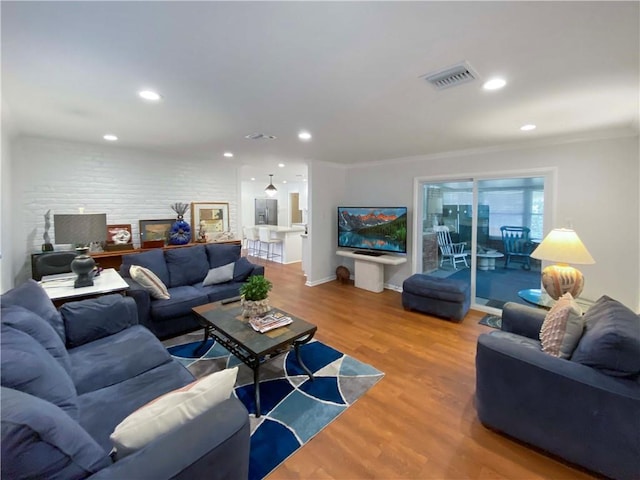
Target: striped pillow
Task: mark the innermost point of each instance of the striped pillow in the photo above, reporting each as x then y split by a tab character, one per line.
149	281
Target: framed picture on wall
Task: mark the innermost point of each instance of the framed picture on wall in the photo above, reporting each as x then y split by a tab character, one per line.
155	230
119	234
212	216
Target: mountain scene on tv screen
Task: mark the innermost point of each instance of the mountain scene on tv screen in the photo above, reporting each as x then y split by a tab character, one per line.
376	229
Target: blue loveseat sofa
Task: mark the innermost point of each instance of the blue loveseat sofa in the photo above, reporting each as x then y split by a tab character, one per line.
585	409
70	377
182	270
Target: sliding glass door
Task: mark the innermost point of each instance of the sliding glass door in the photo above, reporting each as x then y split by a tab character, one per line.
482	231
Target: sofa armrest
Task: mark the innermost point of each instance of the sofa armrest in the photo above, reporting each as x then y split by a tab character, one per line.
257	270
142	299
89	320
214	445
522	320
563	407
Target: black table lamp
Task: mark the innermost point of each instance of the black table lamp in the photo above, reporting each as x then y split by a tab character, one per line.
80	230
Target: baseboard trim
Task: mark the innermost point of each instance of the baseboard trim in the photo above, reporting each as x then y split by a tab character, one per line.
321	281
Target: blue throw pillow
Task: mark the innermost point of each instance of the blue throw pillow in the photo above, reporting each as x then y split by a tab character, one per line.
28	322
187	265
26	366
220	254
89	320
242	269
40	441
611	341
151	259
32	296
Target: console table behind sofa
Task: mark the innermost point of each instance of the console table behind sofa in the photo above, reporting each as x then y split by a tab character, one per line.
114	259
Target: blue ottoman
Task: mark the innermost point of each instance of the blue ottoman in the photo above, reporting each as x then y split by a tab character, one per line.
442	297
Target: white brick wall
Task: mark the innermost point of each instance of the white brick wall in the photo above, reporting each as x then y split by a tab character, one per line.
126	184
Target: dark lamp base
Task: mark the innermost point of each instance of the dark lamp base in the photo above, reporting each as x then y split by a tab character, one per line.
82	266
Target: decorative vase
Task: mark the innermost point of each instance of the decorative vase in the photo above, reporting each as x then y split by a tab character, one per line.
254	308
180	232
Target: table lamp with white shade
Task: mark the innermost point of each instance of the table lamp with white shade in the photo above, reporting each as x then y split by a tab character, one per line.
563	246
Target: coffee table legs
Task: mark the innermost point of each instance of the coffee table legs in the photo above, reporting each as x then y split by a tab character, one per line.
256	388
207	331
256	372
296	346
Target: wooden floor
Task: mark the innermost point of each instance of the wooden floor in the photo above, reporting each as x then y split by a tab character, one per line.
419	421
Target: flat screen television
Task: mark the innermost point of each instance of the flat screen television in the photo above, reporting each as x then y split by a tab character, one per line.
373	230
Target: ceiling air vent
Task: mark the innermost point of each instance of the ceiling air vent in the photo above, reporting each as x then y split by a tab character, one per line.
451	76
259	136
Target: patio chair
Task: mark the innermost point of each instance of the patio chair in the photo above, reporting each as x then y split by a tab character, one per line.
449	250
517	245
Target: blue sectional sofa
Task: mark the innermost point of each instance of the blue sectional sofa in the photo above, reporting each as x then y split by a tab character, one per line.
183	270
70	377
585	409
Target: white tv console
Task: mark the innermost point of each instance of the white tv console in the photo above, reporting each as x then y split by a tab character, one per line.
369	270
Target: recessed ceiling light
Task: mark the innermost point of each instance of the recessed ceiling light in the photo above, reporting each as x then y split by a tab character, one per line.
284	181
150	95
281	165
228	154
253	179
304	136
109	137
494	84
527	127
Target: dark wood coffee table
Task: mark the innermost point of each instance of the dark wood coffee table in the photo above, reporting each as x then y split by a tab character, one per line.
224	323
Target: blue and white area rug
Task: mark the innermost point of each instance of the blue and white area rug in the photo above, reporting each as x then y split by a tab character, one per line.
294	408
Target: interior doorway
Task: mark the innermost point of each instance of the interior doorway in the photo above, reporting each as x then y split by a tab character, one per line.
294	208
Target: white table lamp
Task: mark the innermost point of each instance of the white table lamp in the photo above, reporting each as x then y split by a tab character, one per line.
563	246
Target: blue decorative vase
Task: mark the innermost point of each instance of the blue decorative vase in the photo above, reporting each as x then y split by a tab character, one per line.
180	233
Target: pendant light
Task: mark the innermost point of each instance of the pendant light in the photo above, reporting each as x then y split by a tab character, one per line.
271	190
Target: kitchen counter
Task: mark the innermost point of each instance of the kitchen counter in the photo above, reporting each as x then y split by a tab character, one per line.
291	247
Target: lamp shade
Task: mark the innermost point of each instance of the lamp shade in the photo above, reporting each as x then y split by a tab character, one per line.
563	245
80	228
271	190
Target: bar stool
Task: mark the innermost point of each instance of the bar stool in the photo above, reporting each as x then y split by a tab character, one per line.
264	234
251	236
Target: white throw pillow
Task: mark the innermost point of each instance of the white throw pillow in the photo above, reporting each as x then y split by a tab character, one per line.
562	327
171	410
149	281
219	275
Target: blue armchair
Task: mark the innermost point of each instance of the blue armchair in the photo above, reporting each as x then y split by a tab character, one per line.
586	409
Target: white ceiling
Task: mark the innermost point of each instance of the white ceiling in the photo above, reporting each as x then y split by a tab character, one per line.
349	72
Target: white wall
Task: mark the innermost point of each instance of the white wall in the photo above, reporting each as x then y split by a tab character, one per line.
127	185
597	189
327	189
6	204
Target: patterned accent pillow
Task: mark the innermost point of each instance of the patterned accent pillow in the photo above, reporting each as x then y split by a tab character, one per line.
562	328
150	282
171	410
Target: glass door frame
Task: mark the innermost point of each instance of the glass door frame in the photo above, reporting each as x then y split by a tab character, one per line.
550	175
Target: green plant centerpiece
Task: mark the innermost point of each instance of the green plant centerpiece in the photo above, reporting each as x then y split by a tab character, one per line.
255	296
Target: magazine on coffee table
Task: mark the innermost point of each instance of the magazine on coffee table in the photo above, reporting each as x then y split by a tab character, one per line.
269	322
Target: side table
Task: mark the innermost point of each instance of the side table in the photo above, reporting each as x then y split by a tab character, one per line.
60	287
541	299
487	261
